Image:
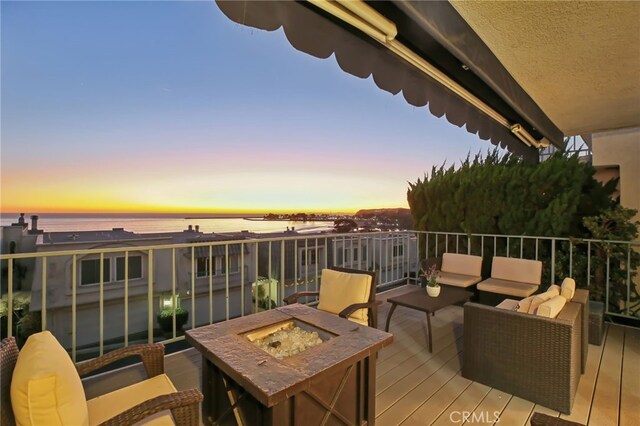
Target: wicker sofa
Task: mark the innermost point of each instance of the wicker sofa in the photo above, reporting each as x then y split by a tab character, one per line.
532	357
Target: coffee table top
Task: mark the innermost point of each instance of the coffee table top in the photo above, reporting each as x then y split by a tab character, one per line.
420	300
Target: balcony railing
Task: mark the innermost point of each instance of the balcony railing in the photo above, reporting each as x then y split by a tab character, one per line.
98	299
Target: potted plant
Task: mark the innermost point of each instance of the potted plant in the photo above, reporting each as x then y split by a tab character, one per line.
165	319
24	321
431	276
259	291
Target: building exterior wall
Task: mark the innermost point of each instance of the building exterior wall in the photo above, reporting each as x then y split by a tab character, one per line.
621	148
16	239
605	173
59	293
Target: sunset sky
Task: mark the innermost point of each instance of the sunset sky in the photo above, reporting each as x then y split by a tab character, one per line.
171	107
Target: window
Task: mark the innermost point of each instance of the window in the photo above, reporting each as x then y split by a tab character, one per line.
398	251
234	264
202	267
309	254
353	255
135	268
90	271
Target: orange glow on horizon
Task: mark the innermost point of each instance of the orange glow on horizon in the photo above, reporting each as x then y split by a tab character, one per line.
172	210
158	189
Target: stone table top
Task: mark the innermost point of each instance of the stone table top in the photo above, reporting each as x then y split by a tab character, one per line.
271	380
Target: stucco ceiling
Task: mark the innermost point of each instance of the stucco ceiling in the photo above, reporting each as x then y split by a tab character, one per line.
579	61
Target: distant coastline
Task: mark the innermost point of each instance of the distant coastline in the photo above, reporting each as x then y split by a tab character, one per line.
264	219
231	216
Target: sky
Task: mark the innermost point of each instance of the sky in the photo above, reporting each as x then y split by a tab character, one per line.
169	107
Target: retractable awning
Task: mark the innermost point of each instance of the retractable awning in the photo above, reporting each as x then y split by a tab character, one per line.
424	50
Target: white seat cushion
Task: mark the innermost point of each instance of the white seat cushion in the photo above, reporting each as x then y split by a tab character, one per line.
341	289
457	280
510	288
106	406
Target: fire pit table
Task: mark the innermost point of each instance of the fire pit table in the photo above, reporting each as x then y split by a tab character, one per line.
330	382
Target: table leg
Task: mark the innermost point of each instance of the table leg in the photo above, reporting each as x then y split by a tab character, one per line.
429	330
207	391
393	308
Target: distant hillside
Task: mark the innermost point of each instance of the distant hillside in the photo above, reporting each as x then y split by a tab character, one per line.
366	213
397	217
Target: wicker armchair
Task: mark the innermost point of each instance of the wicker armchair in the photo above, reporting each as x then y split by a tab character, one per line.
184	405
535	358
371	305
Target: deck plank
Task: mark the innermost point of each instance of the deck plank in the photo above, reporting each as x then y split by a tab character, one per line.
516	412
184	369
434	406
586	387
543	410
407	326
410	333
488	411
412	400
402	387
467	401
408	365
630	389
606	400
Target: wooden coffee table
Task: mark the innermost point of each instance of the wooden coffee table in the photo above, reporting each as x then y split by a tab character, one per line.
419	300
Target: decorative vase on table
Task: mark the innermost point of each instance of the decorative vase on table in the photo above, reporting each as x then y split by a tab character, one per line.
431	276
433	290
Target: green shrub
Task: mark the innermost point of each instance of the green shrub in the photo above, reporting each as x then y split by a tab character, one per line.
557	198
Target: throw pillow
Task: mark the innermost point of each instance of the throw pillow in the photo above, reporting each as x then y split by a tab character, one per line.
568	288
45	387
552	307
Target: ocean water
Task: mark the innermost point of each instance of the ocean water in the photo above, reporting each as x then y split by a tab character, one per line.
162	223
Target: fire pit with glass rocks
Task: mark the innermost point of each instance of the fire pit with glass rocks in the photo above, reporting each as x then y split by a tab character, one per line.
333	382
287	339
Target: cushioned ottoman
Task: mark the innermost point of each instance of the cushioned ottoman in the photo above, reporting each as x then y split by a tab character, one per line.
596	322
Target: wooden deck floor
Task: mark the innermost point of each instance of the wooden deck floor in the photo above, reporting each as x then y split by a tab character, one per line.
415	387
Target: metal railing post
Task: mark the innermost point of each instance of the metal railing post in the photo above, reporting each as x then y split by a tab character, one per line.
150	298
126	298
209	272
43	313
553	261
74	283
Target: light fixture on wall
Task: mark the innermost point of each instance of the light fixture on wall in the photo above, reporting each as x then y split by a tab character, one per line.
168	301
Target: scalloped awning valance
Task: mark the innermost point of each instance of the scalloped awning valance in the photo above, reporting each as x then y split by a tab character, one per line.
436	34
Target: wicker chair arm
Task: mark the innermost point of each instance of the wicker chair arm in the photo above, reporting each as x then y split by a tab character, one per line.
152	358
184	406
293	298
349	310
